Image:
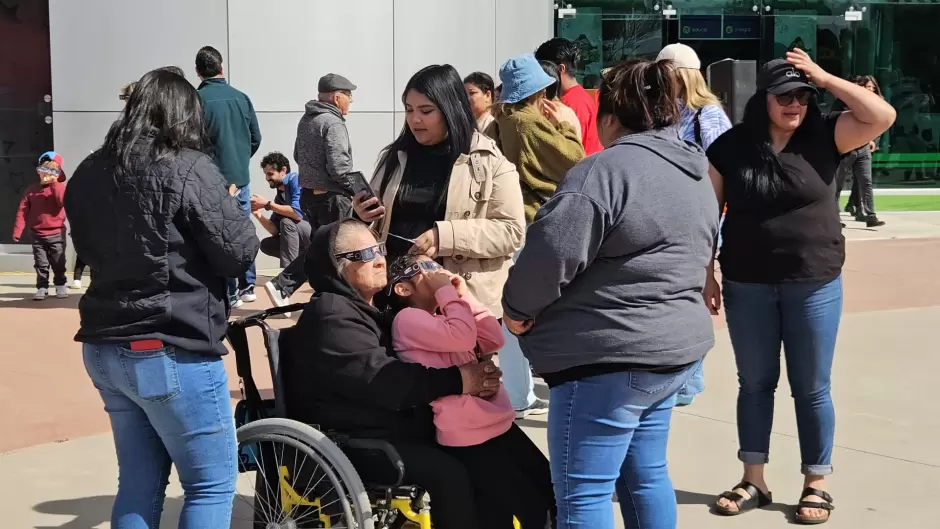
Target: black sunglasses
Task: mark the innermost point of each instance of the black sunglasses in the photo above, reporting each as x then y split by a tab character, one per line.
801	96
364	255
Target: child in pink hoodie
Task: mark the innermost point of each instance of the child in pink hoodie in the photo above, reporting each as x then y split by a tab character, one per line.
443	325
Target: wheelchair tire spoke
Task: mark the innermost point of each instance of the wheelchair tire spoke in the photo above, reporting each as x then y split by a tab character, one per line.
275	500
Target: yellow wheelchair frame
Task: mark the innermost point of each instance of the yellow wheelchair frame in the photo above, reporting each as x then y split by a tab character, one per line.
290	499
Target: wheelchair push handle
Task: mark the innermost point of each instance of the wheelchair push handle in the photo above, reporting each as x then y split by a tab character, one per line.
257	317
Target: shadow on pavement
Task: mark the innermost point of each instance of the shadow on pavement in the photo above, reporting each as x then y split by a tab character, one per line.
96	510
530	423
25	301
684	497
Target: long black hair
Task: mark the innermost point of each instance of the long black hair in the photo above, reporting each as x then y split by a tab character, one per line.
862	80
164	109
443	86
763	174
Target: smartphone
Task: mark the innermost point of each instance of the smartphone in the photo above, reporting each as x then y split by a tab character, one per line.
357	182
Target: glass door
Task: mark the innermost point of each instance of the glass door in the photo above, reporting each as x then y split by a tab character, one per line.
25	101
610	33
716	29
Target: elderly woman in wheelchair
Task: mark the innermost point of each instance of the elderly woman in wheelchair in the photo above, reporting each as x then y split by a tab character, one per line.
350	407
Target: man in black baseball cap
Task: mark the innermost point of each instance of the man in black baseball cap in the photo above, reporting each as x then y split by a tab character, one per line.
778	77
324	156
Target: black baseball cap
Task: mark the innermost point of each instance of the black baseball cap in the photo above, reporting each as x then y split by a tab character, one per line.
778	77
332	82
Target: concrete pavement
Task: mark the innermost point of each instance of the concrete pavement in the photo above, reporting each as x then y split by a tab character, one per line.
59	471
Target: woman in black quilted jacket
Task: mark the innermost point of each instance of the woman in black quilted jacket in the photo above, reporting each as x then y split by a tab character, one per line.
150	214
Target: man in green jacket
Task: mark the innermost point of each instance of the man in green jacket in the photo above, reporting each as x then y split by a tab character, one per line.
233	129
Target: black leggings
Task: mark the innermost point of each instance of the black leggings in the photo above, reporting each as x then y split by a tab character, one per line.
79	269
513	477
453	502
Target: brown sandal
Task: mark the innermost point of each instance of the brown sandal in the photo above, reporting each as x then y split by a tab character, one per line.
825	505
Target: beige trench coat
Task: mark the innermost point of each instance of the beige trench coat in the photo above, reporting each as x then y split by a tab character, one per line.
484	220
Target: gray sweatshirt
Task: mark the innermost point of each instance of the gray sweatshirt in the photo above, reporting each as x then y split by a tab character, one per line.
322	149
614	264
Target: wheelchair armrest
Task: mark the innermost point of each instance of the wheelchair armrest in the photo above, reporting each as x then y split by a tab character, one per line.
377	462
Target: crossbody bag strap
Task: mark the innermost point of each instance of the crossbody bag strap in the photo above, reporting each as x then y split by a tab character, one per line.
698	127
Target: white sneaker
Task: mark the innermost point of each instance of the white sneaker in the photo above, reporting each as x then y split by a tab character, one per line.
61	291
539	407
277	297
76	284
248	295
237	303
40	294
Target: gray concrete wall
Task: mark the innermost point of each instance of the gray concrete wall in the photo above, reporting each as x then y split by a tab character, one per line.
274	51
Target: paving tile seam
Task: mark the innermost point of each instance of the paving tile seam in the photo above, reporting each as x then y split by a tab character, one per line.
791	436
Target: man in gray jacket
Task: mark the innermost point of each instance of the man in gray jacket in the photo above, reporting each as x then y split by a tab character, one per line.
324	157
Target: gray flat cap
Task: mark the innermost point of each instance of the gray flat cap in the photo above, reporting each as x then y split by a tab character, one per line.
332	82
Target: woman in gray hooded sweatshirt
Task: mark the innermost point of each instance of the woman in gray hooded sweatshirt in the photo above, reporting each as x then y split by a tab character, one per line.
606	298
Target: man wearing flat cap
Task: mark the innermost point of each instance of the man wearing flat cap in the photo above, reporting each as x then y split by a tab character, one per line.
323	156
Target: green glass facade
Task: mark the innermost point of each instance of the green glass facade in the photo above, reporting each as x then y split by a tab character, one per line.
897	42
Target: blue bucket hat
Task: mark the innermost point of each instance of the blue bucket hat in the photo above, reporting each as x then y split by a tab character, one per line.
522	76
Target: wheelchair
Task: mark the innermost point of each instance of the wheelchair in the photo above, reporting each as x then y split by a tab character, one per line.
305	478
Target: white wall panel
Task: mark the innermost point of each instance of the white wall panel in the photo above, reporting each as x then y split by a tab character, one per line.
78	134
459	33
280	48
512	36
399	122
369	134
99	45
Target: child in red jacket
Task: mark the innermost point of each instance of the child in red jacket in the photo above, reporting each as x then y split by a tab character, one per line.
42	211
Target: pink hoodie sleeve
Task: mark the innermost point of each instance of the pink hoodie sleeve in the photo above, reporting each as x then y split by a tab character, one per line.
489	331
454	331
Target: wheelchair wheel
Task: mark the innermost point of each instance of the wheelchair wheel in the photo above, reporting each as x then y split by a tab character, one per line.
295	477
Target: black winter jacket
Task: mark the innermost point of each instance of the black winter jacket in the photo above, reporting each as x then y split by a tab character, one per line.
162	240
341	372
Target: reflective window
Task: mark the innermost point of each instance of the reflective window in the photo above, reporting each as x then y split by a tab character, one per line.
896	42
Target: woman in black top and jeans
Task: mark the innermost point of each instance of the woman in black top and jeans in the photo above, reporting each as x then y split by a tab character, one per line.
781	263
857	164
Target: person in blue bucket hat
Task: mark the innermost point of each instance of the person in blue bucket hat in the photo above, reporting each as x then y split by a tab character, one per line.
522	77
538	136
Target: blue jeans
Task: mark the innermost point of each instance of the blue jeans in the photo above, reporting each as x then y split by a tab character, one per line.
517	376
167	406
694	386
237	284
611	431
804	317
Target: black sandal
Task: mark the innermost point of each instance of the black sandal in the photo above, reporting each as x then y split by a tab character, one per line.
757	500
825	505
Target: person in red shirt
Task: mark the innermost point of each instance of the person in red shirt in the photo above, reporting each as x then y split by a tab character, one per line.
42	211
566	54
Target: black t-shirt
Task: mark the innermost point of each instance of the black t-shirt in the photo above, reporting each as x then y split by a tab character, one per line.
795	235
422	195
